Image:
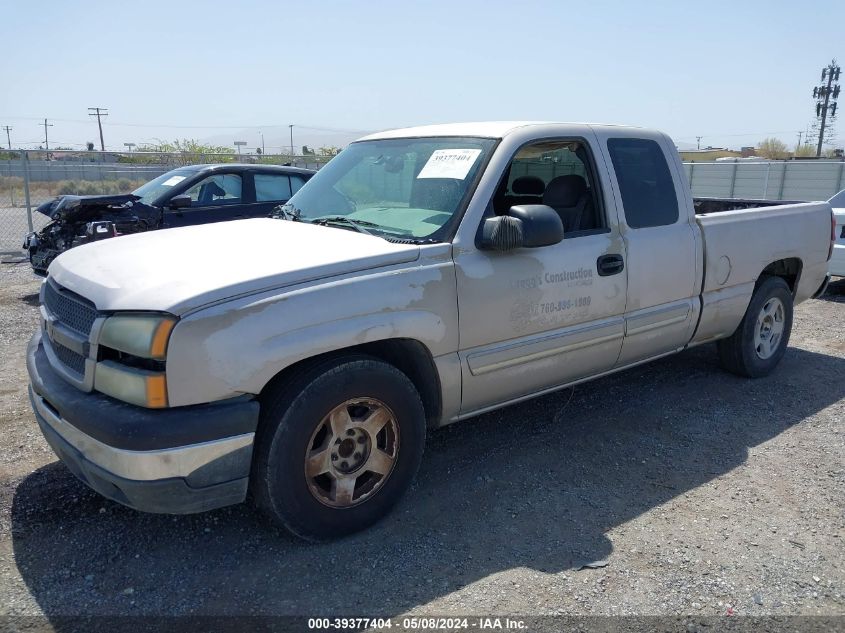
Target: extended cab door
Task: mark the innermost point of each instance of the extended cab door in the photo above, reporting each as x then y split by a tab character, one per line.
662	243
532	319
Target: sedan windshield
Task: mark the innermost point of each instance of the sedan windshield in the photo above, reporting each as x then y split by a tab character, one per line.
410	189
158	187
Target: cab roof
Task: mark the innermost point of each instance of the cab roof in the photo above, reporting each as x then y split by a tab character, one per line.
485	129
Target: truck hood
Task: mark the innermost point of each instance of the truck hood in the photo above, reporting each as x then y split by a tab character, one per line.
72	207
179	270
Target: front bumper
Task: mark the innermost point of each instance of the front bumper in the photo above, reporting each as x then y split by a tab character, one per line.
837	261
176	461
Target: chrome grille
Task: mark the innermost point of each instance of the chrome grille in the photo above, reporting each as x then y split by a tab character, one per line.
73	361
69	309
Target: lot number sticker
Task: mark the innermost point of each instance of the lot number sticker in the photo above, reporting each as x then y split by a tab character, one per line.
449	163
173	180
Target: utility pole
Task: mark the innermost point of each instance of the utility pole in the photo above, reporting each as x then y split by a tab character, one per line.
698	141
99	112
823	95
798	147
8	138
291	140
46	139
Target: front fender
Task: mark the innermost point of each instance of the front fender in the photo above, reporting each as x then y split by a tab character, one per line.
238	347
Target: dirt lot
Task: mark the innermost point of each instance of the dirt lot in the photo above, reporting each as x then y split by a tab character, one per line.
697	492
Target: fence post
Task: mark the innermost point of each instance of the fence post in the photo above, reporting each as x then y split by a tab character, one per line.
733	179
25	167
766	180
691	172
782	180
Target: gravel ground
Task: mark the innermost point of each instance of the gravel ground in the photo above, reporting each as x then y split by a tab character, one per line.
693	492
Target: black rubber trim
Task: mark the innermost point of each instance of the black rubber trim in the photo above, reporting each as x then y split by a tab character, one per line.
126	426
165	496
823	288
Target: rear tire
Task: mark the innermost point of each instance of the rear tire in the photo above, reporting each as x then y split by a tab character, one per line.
337	447
760	341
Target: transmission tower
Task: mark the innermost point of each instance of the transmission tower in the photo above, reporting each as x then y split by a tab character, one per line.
826	96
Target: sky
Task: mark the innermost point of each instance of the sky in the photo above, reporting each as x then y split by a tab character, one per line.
732	72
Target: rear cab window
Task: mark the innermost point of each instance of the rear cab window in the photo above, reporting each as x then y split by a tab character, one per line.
645	182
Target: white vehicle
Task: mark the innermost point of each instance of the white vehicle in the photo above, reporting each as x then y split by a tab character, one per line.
837	260
422	277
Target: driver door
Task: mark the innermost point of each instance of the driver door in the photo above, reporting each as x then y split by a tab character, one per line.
216	198
532	319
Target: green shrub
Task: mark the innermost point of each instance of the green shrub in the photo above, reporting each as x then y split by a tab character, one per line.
67	188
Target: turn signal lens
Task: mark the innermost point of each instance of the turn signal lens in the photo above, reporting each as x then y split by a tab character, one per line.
135	386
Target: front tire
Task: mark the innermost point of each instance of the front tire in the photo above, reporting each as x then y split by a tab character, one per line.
760	341
337	447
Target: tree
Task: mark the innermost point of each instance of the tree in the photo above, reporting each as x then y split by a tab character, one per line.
184	151
307	151
772	148
90	146
328	151
805	151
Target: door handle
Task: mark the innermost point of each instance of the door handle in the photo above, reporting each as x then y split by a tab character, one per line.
610	265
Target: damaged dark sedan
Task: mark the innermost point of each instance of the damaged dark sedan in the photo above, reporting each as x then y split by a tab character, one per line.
197	194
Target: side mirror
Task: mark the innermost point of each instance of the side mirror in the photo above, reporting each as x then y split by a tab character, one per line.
180	202
525	226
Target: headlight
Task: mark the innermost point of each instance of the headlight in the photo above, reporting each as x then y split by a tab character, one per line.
143	335
133	351
136	386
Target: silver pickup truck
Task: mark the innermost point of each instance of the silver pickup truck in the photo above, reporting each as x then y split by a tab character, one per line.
423	276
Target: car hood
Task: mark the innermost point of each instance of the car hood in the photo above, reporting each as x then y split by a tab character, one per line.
69	207
179	270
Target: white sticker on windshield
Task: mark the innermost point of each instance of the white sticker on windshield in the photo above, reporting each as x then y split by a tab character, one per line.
173	180
450	163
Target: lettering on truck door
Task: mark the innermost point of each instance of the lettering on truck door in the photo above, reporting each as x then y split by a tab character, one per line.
534	318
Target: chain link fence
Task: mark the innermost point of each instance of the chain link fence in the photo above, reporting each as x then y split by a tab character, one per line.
30	178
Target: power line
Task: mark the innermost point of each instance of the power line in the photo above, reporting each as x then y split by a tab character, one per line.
203	127
99	112
732	135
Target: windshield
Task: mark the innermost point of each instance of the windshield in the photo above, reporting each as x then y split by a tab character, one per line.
838	201
399	188
157	187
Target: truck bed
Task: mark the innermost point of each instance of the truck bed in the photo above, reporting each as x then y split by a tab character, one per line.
789	239
718	205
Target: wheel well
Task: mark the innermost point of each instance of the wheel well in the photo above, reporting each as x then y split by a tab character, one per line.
409	356
788	269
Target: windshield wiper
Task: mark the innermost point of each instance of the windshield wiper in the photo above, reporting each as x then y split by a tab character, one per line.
287	212
358	225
